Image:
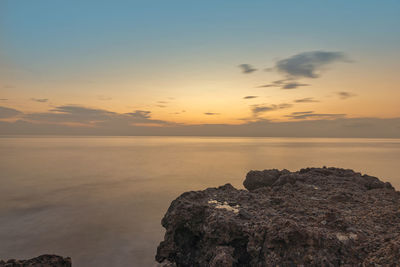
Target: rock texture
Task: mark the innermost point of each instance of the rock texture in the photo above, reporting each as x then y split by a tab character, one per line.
41	261
313	217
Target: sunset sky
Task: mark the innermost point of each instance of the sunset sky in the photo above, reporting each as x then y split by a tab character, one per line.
131	67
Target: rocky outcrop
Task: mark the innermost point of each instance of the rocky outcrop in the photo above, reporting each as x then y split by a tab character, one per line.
313	217
41	261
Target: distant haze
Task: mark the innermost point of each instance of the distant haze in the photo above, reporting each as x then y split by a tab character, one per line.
357	127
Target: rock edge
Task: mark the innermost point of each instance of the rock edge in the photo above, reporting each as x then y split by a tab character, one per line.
41	261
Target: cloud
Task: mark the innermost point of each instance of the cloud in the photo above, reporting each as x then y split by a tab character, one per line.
250	97
285	84
310	114
302	112
293	85
140	114
306	100
267	85
308	64
211	113
303	65
178	112
277	83
247	68
256	109
91	117
8	112
345	95
3	99
162	104
40	100
71	113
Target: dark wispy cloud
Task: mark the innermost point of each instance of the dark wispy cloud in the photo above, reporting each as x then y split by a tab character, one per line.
140	114
285	84
8	86
162	104
8	112
178	112
3	99
40	100
247	68
211	113
85	116
277	83
308	64
303	65
293	85
256	109
250	97
71	114
306	100
142	117
311	115
345	95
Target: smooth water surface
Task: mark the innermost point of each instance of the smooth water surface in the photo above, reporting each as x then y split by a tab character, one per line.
100	200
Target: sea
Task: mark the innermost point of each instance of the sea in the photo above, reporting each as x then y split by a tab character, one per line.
100	200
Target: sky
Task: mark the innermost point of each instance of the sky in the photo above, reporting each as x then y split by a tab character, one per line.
251	68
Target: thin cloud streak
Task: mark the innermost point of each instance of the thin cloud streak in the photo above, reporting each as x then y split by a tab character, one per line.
311	115
247	68
284	84
306	100
257	109
293	85
40	100
344	95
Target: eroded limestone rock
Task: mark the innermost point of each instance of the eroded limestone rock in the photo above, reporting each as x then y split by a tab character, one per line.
313	217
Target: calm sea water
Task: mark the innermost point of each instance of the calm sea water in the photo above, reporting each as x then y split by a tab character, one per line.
100	199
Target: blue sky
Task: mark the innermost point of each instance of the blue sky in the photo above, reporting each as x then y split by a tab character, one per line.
41	35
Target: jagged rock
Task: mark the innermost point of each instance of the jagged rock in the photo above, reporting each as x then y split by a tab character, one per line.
313	217
257	179
41	261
